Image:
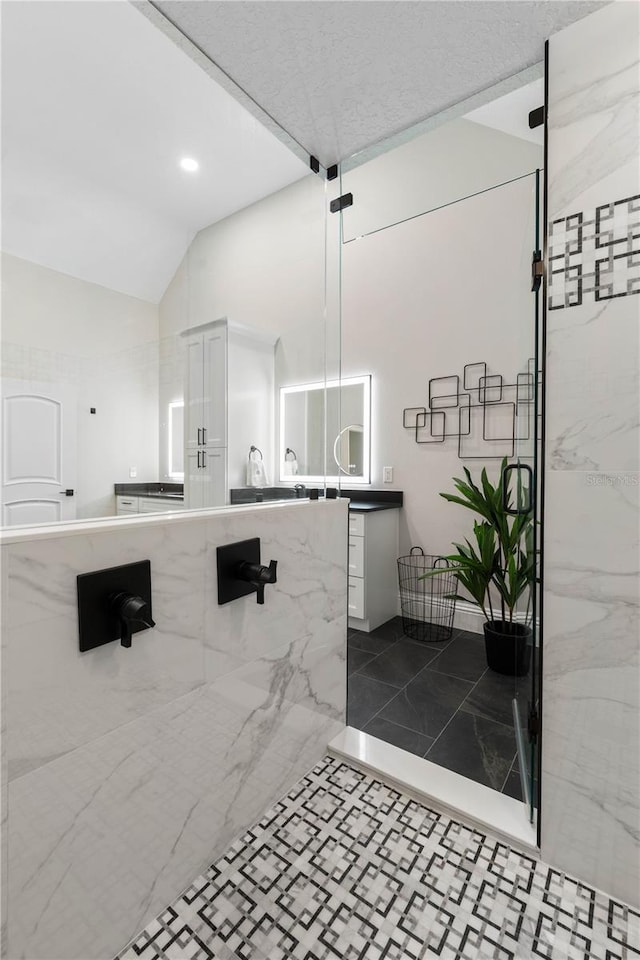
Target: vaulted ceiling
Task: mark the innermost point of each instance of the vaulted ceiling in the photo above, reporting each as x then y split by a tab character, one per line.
340	75
98	109
99	106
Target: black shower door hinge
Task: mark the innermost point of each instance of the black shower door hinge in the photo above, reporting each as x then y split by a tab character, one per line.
346	200
533	725
536	118
537	270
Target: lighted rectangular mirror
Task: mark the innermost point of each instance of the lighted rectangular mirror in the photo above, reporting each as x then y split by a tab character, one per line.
175	449
325	430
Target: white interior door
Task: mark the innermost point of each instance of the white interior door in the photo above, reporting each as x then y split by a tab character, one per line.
38	452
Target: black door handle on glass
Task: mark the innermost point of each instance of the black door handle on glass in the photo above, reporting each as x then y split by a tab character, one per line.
522	508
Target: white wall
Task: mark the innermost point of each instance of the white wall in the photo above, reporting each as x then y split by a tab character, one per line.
430	294
58	329
131	770
250	372
591	665
453	161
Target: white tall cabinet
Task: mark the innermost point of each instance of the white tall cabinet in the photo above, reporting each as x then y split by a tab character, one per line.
228	406
205	415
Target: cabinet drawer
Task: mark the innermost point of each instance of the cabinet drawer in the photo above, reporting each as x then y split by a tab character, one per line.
158	505
356	597
356	524
356	556
126	504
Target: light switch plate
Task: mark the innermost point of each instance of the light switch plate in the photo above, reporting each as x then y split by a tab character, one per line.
387	474
133	472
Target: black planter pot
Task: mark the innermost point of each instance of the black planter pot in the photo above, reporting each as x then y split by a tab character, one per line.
508	647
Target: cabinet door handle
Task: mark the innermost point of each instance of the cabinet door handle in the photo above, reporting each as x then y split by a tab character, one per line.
204	436
204	460
199	442
198	459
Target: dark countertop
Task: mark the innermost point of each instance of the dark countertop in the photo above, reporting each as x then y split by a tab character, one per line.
163	491
361	501
368	501
244	495
364	506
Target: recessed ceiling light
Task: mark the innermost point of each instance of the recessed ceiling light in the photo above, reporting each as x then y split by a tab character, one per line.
190	165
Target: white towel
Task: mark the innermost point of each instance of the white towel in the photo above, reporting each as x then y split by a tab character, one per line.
290	468
256	472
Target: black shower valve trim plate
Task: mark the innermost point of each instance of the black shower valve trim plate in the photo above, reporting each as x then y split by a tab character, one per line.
113	604
240	572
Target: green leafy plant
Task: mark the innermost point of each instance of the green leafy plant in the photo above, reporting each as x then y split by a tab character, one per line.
496	568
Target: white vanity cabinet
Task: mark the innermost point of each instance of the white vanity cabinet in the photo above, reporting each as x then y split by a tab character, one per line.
373	576
159	505
127	504
228	407
134	503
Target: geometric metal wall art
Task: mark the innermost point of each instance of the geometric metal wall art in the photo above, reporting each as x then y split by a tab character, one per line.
480	408
598	254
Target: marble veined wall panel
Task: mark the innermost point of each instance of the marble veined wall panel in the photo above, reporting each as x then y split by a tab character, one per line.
591	669
130	770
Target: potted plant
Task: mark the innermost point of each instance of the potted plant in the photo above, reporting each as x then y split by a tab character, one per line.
495	570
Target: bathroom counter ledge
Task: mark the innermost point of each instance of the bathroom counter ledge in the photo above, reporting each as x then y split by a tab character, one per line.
115	524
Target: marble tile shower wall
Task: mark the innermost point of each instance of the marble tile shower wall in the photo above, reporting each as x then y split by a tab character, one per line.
129	770
591	671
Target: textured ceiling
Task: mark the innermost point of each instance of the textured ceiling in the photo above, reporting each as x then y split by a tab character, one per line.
340	75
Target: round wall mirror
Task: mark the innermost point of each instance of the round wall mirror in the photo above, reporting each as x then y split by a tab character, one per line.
348	450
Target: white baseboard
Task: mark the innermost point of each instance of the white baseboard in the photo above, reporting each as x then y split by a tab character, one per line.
469	617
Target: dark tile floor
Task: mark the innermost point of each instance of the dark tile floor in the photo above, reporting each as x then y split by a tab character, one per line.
437	700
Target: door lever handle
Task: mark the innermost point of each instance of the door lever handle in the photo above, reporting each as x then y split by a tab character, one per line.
68	492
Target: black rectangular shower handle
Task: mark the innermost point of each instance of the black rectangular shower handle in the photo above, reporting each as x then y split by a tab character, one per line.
519	510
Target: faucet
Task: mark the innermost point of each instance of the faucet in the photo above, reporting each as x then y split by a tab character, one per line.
128	610
257	575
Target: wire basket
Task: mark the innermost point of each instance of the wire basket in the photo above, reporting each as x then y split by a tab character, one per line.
428	606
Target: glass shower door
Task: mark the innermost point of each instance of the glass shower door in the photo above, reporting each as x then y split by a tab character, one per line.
521	491
437	308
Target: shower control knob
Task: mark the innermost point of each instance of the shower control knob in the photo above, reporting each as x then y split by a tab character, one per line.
258	575
130	610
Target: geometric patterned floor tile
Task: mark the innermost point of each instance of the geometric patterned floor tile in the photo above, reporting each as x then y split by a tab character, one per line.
346	868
